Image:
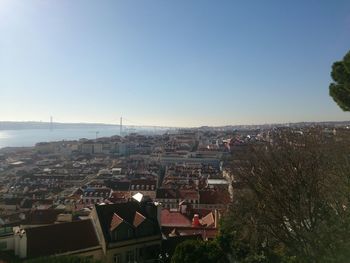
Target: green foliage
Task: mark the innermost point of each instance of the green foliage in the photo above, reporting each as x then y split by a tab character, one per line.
194	251
62	259
239	251
339	90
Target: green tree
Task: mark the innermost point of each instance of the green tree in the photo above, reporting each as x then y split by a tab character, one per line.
195	251
339	90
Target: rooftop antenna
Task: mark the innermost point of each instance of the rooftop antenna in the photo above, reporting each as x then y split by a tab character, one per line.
121	126
51	126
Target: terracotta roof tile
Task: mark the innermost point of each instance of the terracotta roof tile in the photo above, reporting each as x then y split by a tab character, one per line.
174	219
126	211
138	219
116	221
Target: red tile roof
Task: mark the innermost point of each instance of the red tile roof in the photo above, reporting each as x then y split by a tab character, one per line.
116	221
138	219
174	219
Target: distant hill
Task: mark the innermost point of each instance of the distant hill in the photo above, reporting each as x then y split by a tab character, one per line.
275	125
14	125
17	125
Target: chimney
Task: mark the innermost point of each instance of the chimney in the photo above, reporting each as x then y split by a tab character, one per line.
195	221
150	210
159	211
183	207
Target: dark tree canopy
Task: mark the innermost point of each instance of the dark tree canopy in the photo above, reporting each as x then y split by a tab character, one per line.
291	203
195	251
339	90
294	206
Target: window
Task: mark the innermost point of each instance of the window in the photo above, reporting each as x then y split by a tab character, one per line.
130	256
117	258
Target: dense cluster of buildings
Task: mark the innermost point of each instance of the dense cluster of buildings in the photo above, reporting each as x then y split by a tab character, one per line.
118	199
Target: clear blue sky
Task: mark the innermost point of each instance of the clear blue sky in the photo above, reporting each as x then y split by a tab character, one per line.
178	63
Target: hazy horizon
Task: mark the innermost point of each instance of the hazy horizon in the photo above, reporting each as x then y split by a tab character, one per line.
140	125
176	64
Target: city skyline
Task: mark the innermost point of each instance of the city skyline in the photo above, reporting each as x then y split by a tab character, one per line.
178	64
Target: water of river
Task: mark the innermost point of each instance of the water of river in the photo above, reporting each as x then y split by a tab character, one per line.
27	137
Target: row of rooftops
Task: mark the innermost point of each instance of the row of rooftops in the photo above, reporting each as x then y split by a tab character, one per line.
77	169
84	234
206	196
